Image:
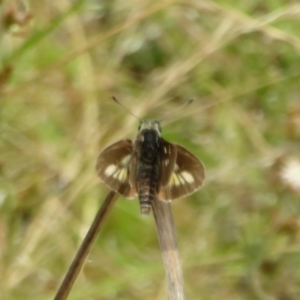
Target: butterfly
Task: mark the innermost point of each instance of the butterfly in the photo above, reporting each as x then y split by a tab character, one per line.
150	168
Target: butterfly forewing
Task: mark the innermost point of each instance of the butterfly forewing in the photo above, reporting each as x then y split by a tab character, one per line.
186	177
113	167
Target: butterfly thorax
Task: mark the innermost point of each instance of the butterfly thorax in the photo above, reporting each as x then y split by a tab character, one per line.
149	146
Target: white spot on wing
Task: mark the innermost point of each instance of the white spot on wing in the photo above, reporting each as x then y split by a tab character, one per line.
181	179
187	177
174	180
125	160
122	175
110	170
119	174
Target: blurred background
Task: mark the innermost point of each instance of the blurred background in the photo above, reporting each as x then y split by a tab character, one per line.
61	61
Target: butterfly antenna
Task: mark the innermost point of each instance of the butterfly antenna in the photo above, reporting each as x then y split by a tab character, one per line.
176	111
118	102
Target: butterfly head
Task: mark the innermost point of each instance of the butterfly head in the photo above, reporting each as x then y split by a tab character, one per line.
150	125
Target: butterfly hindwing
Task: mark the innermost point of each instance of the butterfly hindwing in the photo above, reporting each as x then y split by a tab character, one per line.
186	177
113	167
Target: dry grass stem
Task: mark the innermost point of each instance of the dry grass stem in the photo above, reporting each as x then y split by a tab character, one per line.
85	247
168	245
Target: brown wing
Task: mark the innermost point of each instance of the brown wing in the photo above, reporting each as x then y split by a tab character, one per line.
113	167
187	176
168	154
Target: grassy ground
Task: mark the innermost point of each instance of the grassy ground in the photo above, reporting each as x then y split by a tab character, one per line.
60	63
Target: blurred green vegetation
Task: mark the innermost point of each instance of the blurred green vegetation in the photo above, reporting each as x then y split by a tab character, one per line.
61	61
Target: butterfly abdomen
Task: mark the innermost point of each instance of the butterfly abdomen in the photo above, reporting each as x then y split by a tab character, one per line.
148	170
147	183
